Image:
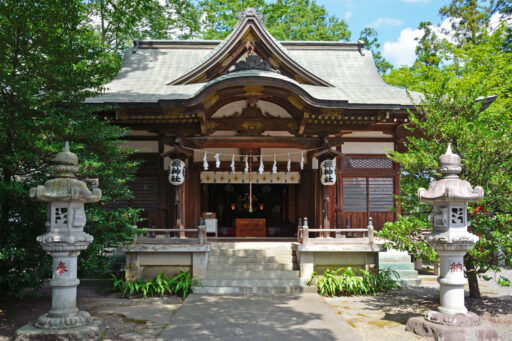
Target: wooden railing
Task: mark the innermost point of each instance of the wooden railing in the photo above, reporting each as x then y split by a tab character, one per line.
175	236
303	234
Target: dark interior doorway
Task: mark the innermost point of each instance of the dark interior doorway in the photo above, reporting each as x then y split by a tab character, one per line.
269	201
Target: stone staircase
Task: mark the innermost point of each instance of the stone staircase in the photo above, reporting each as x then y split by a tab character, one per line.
252	267
400	262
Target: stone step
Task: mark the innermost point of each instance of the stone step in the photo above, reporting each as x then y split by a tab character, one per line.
410	281
256	275
252	245
396	265
385	257
264	283
251	259
250	253
407	274
252	266
254	290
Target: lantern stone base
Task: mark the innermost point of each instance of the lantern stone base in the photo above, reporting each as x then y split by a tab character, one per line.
448	327
91	331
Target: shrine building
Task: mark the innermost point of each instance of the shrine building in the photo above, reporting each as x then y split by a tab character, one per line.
258	134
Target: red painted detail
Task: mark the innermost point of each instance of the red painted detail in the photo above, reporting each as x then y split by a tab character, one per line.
61	268
456	267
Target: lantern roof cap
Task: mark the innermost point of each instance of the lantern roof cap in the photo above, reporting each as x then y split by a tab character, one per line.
450	187
65	186
66	157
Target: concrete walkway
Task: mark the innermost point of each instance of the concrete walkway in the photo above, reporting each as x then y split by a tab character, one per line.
257	317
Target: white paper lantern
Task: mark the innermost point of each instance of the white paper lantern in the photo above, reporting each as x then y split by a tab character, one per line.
176	172
328	175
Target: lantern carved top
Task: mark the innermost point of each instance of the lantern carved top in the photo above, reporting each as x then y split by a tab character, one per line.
450	187
65	186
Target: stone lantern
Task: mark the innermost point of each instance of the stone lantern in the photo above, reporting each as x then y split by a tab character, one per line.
64	239
451	240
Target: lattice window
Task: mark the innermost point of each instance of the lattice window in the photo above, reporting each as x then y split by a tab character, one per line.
364	194
145	191
367	163
380	194
354	195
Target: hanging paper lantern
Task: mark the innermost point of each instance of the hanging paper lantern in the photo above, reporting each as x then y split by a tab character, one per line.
176	172
328	172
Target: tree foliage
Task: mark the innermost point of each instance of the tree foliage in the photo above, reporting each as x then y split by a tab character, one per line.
285	19
49	65
456	77
118	22
370	37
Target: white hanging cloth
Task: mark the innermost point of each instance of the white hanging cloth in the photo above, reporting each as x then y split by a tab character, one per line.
302	160
233	163
205	162
289	165
217	160
246	170
261	169
274	167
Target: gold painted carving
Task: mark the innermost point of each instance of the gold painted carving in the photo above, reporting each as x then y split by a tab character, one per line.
252	125
210	100
295	102
210	125
253	90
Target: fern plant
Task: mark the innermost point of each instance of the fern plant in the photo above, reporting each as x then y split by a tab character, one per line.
344	282
180	285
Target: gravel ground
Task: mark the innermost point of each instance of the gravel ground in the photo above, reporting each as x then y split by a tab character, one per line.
383	317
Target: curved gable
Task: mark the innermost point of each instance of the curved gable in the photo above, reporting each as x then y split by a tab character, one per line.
249	37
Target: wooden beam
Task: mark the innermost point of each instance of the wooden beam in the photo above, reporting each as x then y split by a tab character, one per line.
256	142
252	124
202	122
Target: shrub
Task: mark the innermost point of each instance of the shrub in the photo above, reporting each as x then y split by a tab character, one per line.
343	282
179	285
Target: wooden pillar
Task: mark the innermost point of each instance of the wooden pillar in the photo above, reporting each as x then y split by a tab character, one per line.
326	212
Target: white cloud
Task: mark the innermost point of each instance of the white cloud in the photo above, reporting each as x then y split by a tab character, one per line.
497	19
403	50
385	21
348	15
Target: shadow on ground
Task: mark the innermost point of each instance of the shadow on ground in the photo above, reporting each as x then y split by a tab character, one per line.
257	317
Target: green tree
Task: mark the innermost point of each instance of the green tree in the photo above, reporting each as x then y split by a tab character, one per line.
285	19
118	22
49	65
452	113
371	40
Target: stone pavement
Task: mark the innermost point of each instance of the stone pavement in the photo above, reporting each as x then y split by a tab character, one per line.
257	317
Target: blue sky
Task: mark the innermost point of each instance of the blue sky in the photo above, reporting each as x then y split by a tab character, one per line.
396	22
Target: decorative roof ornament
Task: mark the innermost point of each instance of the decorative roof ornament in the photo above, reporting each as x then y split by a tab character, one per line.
249	12
450	186
253	62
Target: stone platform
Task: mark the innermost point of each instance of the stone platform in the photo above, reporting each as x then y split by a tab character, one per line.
458	327
92	331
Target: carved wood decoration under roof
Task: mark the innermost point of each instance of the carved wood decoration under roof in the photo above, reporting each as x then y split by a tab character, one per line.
251	38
